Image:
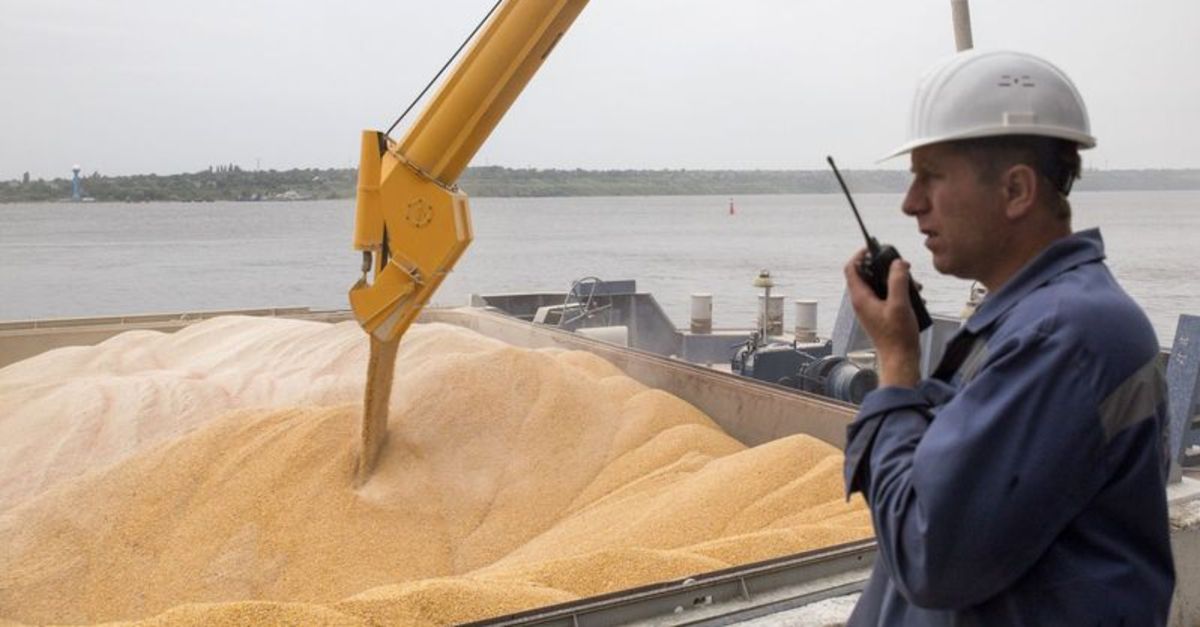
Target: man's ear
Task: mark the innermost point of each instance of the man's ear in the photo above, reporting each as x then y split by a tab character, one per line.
1020	188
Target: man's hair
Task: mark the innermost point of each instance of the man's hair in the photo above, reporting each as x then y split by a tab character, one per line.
1055	160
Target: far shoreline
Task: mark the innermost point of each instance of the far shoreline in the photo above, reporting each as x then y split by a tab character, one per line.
232	183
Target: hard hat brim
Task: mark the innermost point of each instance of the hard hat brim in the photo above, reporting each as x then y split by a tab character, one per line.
1084	140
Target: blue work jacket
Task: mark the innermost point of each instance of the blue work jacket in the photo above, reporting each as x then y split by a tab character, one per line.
1028	488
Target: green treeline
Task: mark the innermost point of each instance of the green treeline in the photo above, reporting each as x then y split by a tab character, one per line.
224	183
234	183
498	181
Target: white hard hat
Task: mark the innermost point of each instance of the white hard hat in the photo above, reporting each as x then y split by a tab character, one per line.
986	94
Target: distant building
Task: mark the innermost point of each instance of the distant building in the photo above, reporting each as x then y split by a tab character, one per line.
76	192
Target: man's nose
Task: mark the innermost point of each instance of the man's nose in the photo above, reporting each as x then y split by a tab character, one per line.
915	201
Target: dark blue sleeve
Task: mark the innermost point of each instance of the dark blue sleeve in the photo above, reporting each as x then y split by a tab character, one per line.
966	500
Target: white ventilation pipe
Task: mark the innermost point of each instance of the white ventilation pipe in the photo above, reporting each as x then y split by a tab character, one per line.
772	307
806	321
701	313
962	25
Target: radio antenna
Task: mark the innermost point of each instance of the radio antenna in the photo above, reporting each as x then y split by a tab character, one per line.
872	245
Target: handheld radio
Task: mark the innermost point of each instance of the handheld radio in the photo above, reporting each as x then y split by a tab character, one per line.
878	261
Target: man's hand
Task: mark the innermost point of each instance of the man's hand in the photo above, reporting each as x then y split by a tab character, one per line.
891	323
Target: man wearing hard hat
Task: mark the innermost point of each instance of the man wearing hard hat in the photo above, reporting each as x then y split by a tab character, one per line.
1024	483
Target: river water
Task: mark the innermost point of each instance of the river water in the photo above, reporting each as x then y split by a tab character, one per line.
99	258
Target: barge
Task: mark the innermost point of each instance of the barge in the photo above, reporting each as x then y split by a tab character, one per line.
754	412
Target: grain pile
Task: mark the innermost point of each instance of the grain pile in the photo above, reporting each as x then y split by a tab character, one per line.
511	479
76	409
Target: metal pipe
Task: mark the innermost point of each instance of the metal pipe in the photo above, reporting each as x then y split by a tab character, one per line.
962	24
766	315
806	320
701	313
771	311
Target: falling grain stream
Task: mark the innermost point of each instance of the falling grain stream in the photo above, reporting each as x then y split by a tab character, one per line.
380	371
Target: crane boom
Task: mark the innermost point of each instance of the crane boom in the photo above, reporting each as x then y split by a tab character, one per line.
411	222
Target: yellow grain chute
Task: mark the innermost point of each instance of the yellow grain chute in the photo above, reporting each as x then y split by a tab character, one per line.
412	223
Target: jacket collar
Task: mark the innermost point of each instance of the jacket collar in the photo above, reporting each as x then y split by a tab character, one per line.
1061	256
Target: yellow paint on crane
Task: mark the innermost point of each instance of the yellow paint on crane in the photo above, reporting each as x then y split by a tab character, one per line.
411	222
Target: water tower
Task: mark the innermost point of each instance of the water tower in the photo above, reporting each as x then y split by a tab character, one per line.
75	183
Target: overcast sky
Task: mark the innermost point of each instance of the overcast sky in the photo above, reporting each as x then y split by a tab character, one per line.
166	86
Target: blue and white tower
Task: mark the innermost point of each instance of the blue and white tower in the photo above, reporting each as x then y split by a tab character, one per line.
75	193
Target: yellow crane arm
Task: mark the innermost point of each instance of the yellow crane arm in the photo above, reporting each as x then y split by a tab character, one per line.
411	221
